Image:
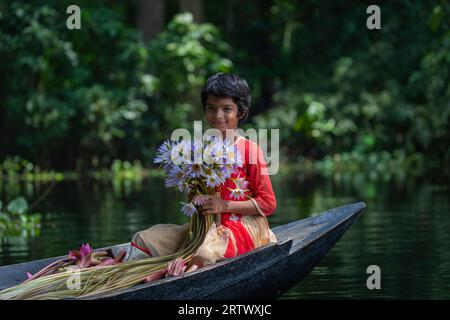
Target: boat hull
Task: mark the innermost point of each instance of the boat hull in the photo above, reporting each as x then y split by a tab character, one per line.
266	272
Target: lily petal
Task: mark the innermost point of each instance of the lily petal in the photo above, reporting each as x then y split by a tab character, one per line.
85	250
176	267
155	276
107	262
74	254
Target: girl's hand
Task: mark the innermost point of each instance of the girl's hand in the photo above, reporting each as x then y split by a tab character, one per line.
213	205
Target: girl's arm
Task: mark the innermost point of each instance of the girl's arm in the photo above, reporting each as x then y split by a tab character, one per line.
263	195
215	204
242	207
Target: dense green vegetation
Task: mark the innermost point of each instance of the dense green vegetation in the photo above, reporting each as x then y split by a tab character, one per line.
102	97
76	100
15	220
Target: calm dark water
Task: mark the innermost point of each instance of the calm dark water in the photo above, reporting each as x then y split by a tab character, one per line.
405	229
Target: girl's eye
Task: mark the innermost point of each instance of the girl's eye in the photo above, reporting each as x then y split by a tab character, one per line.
228	109
209	108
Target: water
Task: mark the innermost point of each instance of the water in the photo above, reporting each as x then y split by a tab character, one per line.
405	229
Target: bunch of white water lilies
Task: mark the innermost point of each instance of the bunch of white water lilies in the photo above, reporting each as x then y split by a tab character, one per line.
198	167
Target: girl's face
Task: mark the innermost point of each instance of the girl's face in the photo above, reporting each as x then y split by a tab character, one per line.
221	113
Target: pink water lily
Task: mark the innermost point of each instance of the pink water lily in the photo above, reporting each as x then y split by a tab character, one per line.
50	269
107	262
74	254
176	267
82	256
155	275
111	261
85	250
78	259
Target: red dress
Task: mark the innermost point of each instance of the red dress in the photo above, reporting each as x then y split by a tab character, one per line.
254	170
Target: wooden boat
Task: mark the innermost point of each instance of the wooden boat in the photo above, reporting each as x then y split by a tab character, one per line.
264	273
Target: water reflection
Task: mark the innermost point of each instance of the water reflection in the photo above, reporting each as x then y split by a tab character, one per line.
405	229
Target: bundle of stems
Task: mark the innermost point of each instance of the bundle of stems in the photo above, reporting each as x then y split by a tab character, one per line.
105	279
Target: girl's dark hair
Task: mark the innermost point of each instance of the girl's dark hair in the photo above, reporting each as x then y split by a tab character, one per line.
228	85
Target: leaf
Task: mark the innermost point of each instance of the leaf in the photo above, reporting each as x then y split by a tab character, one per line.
18	206
4	217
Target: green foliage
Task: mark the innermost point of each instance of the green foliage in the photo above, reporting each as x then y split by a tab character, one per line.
181	58
389	93
16	168
382	163
126	170
80	99
65	87
14	220
101	92
18	206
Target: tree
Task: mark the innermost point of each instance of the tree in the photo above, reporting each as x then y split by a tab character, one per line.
194	7
150	17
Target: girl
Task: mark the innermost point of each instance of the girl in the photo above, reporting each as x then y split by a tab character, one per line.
241	225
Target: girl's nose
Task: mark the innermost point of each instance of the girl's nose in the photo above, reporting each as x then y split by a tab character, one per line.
219	114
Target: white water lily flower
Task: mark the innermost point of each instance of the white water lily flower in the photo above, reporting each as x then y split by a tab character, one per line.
175	177
188	209
176	154
197	168
209	138
199	200
185	187
231	154
187	151
197	149
221	178
237	193
241	183
212	180
209	154
194	170
181	153
163	153
218	153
